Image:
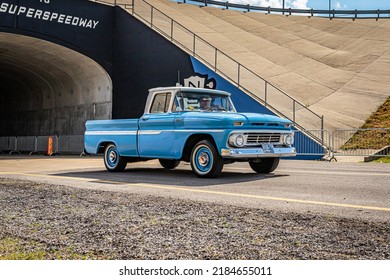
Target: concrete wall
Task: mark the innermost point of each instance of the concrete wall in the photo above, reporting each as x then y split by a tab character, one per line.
142	60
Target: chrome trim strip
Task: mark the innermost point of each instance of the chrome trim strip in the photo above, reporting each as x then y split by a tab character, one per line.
200	130
148	132
111	132
257	153
247	133
244	130
152	132
156	132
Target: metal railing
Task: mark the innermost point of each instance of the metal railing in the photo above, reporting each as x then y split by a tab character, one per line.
264	92
330	13
305	146
122	3
220	62
373	142
251	83
67	144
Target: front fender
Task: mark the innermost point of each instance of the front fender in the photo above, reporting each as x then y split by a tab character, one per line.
185	140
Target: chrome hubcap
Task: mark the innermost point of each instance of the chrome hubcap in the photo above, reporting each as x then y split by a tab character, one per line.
112	156
203	159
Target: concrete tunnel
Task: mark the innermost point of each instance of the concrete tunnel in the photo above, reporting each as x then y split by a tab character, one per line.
48	89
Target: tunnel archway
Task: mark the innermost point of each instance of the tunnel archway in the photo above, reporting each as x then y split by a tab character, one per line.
49	89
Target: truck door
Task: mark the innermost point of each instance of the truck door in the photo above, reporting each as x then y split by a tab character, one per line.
155	135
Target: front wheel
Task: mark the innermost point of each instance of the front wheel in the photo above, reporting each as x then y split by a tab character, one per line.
205	160
264	165
112	160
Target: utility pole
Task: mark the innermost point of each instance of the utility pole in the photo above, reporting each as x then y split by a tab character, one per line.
330	5
283	7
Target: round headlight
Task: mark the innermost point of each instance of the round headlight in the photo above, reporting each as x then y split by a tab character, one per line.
288	140
237	140
240	140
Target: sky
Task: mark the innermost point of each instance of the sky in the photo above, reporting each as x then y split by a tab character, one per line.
321	4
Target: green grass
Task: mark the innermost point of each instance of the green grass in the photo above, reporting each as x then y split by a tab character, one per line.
13	248
383	160
381	118
372	139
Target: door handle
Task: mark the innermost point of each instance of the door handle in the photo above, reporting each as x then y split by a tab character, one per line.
145	118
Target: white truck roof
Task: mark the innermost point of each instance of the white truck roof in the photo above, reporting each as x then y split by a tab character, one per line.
190	89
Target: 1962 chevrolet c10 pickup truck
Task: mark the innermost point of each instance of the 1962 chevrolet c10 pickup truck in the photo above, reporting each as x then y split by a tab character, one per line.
200	126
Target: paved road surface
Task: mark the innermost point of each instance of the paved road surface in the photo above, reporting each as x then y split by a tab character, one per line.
359	190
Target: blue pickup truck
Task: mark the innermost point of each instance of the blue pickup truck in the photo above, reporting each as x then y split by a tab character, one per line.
200	126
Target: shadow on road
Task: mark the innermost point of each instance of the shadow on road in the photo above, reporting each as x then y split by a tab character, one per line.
177	177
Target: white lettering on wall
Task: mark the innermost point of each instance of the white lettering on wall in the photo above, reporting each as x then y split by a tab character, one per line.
44	15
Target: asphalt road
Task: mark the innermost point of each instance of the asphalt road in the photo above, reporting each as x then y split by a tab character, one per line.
340	189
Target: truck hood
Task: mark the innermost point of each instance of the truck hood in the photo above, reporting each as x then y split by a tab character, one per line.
225	120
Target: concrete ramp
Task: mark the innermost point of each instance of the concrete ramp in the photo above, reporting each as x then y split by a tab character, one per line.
337	68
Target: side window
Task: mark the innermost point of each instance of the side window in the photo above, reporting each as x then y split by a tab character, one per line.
160	103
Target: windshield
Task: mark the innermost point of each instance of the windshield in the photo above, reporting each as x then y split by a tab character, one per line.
191	101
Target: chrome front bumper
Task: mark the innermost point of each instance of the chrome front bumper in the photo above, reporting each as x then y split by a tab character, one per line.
258	153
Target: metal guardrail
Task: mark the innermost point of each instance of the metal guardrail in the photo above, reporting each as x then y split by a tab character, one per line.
330	13
124	4
254	85
63	144
244	78
373	142
306	146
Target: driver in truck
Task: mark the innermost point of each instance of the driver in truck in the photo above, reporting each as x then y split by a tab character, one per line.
205	103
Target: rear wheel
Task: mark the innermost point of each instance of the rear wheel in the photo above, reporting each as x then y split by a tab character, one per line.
205	160
112	160
169	163
264	165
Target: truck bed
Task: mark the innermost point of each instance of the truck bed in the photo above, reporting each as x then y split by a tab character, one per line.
123	133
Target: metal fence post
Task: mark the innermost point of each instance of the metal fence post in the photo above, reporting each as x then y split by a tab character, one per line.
35	152
151	17
193	52
172	29
294	110
216	59
56	152
322	128
15	150
238	73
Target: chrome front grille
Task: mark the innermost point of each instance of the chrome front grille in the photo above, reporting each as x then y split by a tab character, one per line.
253	139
